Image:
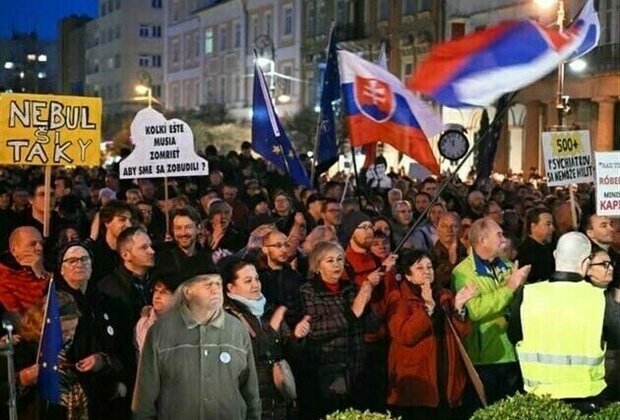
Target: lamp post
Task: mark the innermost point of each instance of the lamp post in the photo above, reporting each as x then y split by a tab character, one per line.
143	90
561	102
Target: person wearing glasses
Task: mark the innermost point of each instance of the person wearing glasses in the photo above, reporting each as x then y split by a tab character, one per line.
559	328
93	367
280	282
601	274
362	266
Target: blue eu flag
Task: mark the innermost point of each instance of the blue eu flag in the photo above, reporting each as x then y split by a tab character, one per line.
51	344
492	136
327	144
268	137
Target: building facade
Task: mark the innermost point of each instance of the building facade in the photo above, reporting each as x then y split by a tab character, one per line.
28	64
209	49
71	54
124	48
594	92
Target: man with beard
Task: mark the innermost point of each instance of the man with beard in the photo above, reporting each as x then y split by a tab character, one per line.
537	250
183	257
122	295
361	266
197	362
279	280
475	204
331	214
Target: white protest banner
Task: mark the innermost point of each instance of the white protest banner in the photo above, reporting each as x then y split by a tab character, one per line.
568	157
607	183
164	148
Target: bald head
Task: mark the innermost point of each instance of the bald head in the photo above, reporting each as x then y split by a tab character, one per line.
26	244
571	252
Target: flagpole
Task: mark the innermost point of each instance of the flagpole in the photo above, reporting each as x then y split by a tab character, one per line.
448	180
47	304
357	180
317	134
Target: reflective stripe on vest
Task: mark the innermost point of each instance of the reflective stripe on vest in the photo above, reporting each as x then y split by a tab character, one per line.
558	359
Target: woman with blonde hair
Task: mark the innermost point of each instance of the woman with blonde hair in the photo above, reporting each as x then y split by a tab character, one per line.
337	311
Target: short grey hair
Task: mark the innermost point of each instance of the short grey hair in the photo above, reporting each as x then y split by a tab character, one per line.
179	295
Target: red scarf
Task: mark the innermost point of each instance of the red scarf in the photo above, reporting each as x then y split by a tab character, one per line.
333	288
20	289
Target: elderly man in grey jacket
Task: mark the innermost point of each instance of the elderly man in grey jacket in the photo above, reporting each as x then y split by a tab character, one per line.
197	361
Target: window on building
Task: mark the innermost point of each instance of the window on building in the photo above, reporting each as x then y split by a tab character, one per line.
176	96
425	5
156	60
268	24
209	41
457	30
341	10
144	60
117	90
96	65
175	49
111	34
117	61
104	9
104	37
144	30
383	10
320	17
156	91
310	19
255	30
196	94
176	10
111	8
156	31
156	4
223	97
208	98
237	36
408	6
110	63
287	70
237	88
222	40
408	69
287	27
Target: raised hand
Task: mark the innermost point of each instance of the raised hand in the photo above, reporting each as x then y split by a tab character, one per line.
303	327
518	276
276	319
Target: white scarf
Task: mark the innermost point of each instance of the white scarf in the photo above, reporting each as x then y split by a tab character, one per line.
256	307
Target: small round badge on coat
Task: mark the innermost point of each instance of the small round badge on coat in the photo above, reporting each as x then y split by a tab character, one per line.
106	317
110	330
225	357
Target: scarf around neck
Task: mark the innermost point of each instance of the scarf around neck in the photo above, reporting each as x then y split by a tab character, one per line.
256	307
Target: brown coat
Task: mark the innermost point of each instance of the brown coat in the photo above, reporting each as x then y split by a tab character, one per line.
416	357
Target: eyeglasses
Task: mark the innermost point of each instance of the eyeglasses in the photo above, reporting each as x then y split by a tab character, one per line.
605	264
278	245
74	261
366	226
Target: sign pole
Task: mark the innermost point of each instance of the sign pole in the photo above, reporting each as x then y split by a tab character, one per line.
47	201
166	211
573	210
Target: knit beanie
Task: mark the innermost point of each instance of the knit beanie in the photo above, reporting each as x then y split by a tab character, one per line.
351	221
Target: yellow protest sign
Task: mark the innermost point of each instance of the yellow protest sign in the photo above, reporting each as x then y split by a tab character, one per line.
50	130
567	157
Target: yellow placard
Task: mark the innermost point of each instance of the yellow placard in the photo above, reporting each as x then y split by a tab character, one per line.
50	130
567	143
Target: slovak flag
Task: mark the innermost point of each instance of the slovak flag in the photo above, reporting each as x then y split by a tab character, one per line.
378	106
477	69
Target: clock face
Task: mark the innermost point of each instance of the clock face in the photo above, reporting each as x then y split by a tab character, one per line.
453	145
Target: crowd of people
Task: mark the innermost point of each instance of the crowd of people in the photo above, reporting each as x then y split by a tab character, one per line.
239	295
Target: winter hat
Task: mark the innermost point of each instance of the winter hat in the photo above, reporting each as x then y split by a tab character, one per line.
351	221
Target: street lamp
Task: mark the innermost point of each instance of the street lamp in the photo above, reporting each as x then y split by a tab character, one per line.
561	103
143	90
262	43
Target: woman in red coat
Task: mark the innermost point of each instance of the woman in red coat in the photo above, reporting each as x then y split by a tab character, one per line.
426	374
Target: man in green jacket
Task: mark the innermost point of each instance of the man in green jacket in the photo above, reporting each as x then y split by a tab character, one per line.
496	281
197	361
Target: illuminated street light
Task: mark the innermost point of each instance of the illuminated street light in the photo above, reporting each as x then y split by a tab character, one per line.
284	98
31	57
578	65
9	65
42	58
146	92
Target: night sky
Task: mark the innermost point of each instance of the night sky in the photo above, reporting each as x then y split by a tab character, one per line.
41	16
